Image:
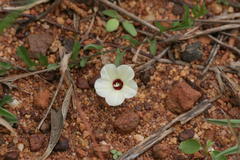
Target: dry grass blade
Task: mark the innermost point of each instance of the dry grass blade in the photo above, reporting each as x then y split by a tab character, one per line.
57	123
4	123
28	6
161	133
211	30
24	75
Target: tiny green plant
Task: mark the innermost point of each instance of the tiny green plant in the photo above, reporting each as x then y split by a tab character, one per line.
11	118
115	154
192	146
113	23
22	52
4	68
225	2
119	57
153	46
133	41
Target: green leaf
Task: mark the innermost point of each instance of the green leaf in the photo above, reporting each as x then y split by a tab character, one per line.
43	60
113	151
133	41
129	27
214	155
23	54
190	146
232	150
186	23
199	11
75	50
153	47
119	153
6	99
112	25
9	20
93	46
225	2
2	72
115	156
160	27
209	144
111	13
225	122
83	62
119	57
8	115
53	66
5	65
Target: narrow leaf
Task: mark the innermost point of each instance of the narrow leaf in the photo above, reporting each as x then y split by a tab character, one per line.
8	20
133	41
111	13
232	150
190	146
153	47
5	65
225	122
129	27
8	126
214	155
23	54
11	118
53	66
93	46
6	99
43	60
83	62
75	50
161	27
112	25
119	57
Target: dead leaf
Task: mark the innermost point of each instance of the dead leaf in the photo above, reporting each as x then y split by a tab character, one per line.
4	123
57	123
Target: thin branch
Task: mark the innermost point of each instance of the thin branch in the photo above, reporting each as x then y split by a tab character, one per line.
212	55
235	49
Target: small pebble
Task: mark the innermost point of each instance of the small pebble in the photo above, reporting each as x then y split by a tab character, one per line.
186	134
62	145
11	156
20	147
192	52
138	138
82	83
36	142
60	20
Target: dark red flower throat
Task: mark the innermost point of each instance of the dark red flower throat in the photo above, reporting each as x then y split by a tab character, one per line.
117	84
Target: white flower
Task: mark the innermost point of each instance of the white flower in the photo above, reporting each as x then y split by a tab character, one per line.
116	84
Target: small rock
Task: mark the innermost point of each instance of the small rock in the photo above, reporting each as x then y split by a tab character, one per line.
145	77
36	142
82	83
138	138
45	127
178	10
51	76
216	8
62	145
105	149
11	156
235	100
161	151
192	52
127	122
99	134
41	98
181	98
60	20
186	134
20	147
39	43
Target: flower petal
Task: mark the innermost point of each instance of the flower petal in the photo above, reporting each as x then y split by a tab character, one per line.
130	89
125	72
109	72
103	87
115	98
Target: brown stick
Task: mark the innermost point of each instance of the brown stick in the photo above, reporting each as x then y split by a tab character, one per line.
164	131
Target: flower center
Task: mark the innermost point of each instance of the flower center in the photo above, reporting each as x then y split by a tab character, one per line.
117	84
